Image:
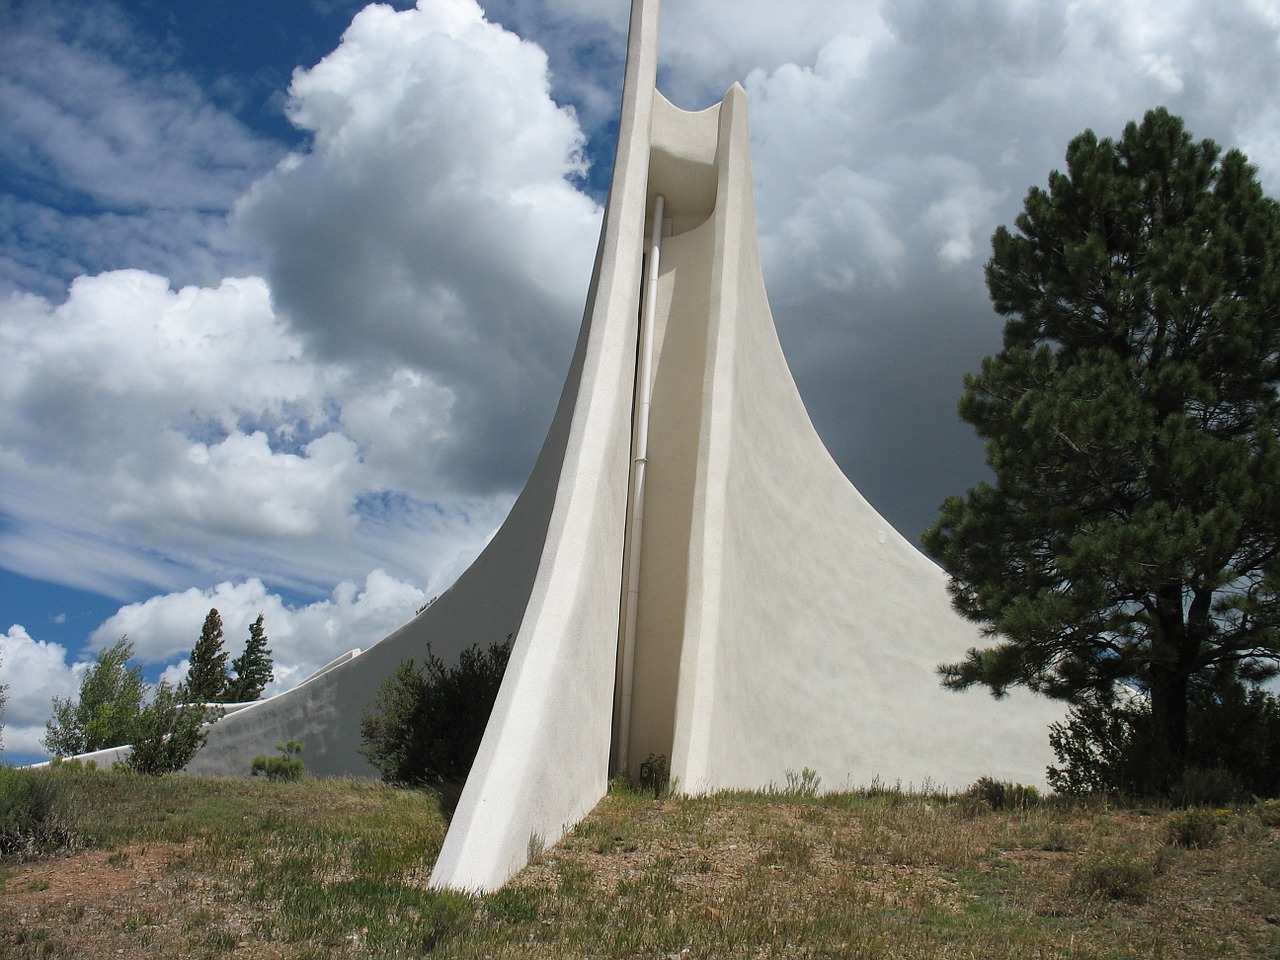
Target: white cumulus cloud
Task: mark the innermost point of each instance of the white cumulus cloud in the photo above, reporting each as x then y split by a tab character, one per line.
373	401
35	672
164	628
433	231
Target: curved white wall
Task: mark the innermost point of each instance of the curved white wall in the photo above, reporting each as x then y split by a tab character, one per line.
781	623
801	629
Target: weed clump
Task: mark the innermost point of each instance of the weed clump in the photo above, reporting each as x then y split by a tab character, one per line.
1267	813
1118	875
655	775
442	915
1002	795
805	784
33	813
287	766
1196	829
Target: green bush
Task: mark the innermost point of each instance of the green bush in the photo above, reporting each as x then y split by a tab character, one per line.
1194	829
33	812
1214	786
74	764
1102	748
1267	813
168	732
426	725
1002	795
1233	747
1113	876
287	766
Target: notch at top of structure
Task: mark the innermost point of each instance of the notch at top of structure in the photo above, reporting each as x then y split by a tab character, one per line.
642	52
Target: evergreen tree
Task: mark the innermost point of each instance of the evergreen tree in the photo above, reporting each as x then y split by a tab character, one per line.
169	732
427	723
207	674
252	668
1132	423
106	712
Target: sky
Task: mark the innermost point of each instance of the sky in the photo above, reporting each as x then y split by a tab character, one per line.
288	288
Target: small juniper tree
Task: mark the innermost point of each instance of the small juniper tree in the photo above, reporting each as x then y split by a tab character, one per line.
253	670
427	724
169	732
207	679
106	712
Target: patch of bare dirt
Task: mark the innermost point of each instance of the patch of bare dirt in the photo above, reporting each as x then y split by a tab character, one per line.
97	903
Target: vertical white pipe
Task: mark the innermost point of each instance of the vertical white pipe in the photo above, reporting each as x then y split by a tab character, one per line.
639	460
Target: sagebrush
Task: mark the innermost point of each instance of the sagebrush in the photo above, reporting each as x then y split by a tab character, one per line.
426	723
33	812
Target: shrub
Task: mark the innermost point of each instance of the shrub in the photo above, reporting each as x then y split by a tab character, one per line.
1113	876
32	812
1001	795
1057	838
1203	787
1235	730
73	764
1102	748
804	784
654	774
1233	747
1268	813
287	766
1194	829
426	725
168	732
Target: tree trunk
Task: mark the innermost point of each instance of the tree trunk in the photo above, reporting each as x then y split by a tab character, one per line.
1169	688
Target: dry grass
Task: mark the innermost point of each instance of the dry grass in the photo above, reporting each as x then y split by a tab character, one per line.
327	869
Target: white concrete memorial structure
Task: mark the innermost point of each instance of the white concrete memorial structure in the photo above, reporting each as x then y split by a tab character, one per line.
687	572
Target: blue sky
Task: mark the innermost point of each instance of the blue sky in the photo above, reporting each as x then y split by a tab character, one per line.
288	287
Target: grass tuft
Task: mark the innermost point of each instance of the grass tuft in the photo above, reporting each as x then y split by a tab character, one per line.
1195	829
1117	875
34	813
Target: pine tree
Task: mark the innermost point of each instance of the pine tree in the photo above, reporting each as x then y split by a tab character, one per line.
207	679
1132	535
252	668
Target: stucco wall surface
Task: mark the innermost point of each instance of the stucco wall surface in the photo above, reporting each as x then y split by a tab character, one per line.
781	622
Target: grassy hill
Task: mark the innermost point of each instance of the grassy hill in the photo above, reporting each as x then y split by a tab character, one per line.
186	867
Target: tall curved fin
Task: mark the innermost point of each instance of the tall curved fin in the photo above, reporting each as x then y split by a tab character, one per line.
781	623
